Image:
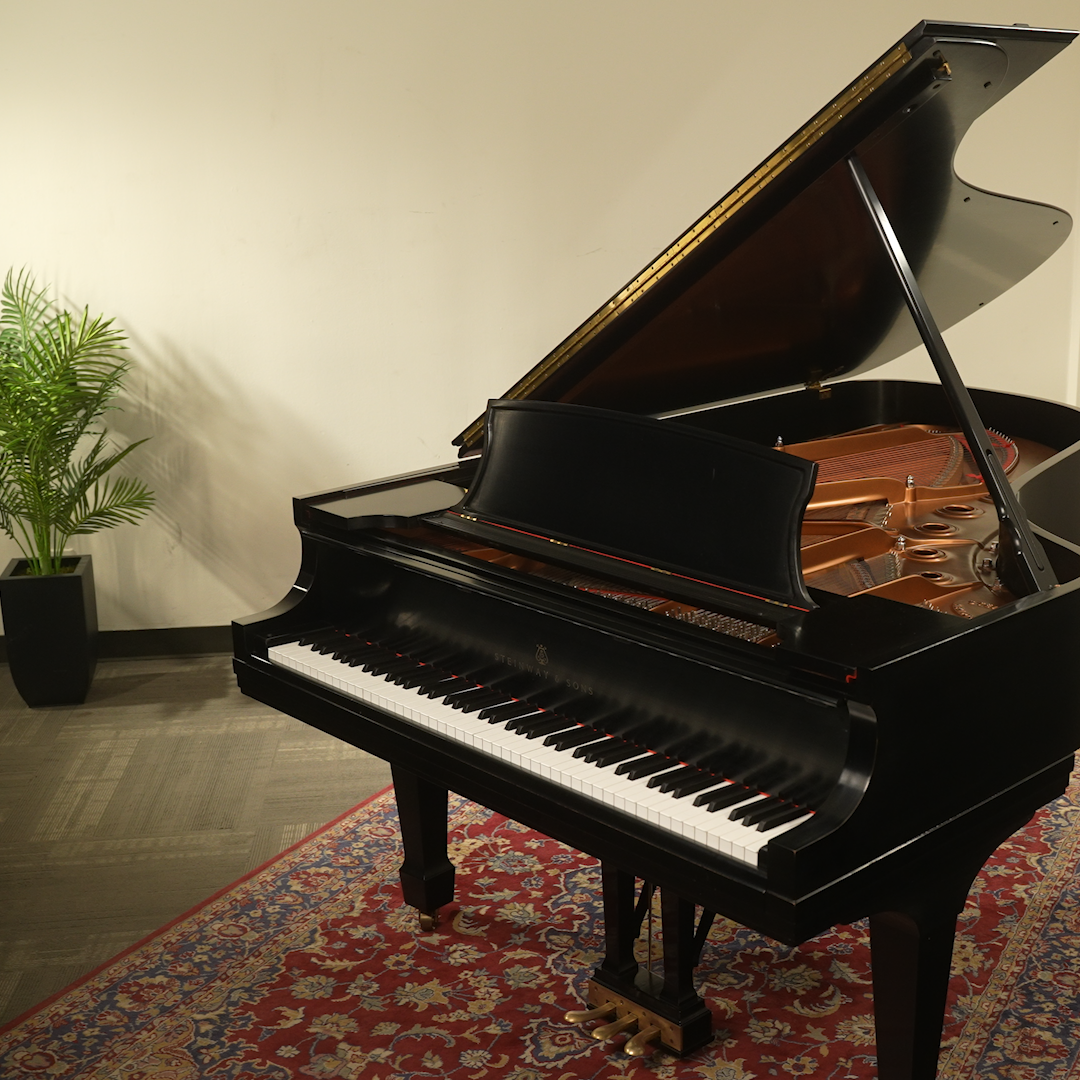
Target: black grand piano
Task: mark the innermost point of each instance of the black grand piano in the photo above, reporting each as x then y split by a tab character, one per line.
780	644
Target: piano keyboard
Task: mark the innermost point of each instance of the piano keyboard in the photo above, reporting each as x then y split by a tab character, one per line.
708	809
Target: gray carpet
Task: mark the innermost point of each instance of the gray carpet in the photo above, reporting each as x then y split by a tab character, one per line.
118	815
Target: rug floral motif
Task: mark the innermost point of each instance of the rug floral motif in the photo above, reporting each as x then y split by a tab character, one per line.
312	967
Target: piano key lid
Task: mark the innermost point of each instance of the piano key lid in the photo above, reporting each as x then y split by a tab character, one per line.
783	283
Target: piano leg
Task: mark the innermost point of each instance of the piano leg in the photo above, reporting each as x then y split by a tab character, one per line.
427	875
911	945
912	957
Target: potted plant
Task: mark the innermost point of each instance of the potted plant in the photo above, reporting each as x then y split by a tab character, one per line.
59	374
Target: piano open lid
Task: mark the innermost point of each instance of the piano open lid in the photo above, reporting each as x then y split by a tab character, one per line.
783	283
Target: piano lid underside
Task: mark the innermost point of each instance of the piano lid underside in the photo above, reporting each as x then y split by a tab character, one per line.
793	288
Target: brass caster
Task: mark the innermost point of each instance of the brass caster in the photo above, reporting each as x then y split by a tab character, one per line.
639	1046
429	920
583	1016
603	1033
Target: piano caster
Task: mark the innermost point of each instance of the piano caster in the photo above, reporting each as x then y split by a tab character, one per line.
641	1044
428	920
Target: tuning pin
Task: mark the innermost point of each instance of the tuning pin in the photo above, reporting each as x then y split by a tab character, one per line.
910	481
779	444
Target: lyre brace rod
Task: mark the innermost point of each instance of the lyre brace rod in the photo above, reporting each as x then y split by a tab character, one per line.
1022	565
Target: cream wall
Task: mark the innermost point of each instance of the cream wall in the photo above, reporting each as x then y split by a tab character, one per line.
334	228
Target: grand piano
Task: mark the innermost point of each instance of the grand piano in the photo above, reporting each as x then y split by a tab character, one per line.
766	640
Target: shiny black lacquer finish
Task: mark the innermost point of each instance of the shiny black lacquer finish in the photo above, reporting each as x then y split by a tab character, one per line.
645	491
903	721
902	744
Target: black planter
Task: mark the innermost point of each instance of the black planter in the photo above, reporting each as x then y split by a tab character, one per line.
50	629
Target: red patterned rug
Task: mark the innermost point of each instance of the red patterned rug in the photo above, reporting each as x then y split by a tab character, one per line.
311	967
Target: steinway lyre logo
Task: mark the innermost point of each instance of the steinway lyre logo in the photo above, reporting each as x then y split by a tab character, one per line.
541	654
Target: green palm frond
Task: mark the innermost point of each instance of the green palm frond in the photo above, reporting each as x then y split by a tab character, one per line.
59	374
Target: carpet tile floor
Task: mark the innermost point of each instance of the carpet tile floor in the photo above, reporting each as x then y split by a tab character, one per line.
120	814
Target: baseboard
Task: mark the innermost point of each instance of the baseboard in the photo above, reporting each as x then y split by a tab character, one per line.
170	641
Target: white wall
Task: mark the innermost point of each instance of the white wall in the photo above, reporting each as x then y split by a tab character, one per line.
334	228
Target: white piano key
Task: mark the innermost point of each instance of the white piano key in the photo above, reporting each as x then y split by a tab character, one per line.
679	816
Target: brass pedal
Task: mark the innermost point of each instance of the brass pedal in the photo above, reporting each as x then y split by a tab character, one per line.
583	1016
639	1045
652	1028
602	1034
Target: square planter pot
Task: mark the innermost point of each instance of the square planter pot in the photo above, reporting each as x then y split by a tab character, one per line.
50	629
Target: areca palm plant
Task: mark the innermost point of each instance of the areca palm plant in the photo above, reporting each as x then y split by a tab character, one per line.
59	374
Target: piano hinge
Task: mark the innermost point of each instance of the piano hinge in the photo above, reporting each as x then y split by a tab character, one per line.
814	383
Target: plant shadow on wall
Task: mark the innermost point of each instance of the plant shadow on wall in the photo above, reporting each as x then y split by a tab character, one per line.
227	461
59	376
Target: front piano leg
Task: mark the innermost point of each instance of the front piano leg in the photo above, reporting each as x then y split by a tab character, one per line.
911	945
427	875
664	1010
912	960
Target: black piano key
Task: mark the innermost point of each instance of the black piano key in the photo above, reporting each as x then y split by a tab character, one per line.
612	755
501	714
522	718
741	812
409	678
693	784
544	724
361	656
329	646
371	661
445	686
553	698
474	702
616	722
586	752
319	637
564	740
717	800
422	676
635	770
455	695
664	780
521	721
780	815
429	676
353	647
394	666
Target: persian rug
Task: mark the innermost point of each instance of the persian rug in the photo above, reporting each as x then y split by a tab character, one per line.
311	967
